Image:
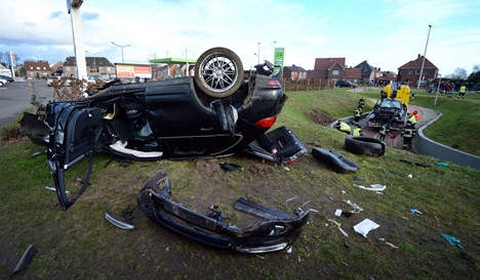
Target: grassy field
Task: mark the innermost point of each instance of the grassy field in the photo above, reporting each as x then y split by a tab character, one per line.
81	244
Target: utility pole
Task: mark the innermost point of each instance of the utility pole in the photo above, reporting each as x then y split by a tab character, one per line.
423	60
121	47
73	7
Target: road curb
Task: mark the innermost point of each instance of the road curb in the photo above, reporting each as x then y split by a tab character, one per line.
426	146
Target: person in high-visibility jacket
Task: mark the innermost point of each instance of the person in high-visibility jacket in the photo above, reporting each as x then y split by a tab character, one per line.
357	131
357	114
461	92
383	132
388	90
411	120
344	127
408	132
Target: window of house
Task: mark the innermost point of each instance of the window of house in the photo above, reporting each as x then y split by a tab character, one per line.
410	72
335	72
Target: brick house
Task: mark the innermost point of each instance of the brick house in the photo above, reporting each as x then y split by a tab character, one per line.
328	70
37	69
368	72
353	75
95	65
410	72
294	73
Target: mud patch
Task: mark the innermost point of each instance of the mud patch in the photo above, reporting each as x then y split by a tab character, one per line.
320	117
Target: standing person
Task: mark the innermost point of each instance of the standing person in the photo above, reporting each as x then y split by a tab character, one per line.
383	132
408	132
357	114
388	90
411	120
462	91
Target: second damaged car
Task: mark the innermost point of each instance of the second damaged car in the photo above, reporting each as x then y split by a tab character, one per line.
219	111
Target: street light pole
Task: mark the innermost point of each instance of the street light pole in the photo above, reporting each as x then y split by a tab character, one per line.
121	47
423	60
258	53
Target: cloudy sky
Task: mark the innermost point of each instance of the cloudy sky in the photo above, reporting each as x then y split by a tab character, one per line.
386	33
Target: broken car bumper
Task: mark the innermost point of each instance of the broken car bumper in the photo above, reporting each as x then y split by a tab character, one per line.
276	231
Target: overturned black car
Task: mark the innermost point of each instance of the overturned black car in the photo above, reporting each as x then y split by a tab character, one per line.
220	111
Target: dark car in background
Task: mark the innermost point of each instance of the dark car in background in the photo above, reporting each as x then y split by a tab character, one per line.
7	78
345	83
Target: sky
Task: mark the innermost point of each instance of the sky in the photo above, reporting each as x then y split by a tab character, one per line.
385	33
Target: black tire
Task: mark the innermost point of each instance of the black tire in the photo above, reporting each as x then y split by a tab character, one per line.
363	145
219	72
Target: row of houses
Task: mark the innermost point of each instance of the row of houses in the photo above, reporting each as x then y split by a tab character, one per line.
327	71
41	69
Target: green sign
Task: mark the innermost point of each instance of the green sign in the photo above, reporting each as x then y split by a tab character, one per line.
278	56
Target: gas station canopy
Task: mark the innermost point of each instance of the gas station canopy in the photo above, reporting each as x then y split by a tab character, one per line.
173	60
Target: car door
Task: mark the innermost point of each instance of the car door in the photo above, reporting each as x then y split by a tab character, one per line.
74	130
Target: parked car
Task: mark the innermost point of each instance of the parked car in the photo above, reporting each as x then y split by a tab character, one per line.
218	112
7	78
345	83
390	112
3	82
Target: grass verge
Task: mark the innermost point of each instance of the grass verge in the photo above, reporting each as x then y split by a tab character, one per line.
81	244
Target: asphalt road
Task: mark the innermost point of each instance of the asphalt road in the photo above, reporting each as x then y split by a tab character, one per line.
16	97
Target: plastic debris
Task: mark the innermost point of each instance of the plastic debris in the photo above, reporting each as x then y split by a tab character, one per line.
415	211
26	259
365	226
338	212
50	188
452	240
373	187
410	176
356	208
442	164
229	166
339	226
391	245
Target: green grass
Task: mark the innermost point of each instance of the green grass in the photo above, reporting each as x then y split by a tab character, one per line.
81	244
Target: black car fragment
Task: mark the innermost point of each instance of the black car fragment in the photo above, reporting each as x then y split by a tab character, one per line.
276	231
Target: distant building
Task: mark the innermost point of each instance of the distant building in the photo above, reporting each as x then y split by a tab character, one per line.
410	72
368	72
353	75
328	70
95	65
294	73
37	69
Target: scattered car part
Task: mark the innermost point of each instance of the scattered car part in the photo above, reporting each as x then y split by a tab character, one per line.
339	226
275	232
373	187
339	163
229	166
280	145
363	145
26	259
365	226
118	220
356	208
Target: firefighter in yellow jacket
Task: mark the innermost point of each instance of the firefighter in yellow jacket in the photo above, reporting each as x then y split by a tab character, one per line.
388	90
